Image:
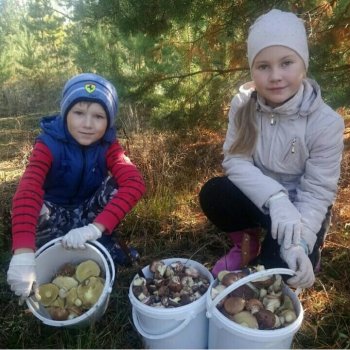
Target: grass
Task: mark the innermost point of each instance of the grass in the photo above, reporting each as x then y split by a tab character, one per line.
167	223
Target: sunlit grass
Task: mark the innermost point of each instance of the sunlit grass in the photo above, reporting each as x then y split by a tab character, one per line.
166	223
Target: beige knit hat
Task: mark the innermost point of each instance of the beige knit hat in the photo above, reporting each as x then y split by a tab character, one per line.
278	28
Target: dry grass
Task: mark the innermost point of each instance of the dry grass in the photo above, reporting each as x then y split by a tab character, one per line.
168	223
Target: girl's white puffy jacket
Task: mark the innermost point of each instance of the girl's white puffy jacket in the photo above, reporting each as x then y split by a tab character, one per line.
299	150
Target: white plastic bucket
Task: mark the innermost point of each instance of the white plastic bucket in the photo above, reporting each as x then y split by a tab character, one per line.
51	256
183	327
226	334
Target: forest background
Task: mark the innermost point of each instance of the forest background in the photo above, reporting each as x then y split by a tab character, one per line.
176	65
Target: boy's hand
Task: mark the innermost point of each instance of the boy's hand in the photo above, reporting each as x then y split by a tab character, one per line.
21	273
285	221
299	262
77	237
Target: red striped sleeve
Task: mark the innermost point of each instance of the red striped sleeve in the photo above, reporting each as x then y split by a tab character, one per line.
28	199
131	188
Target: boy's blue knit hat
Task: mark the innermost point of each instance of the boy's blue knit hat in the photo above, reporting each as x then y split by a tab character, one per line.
93	88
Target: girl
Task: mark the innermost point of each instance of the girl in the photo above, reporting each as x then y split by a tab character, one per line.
282	157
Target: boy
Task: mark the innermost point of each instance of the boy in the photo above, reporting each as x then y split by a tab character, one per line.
66	189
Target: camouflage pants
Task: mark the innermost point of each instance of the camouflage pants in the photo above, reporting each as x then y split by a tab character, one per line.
55	221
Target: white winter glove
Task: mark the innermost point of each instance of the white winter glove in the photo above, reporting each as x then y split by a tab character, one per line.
285	221
21	274
77	237
298	261
308	239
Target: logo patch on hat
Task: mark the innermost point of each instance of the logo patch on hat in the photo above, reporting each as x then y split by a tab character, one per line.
90	88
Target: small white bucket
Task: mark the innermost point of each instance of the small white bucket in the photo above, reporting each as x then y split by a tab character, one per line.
226	334
51	256
183	327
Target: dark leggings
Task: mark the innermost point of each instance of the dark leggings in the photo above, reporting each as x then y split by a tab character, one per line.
230	210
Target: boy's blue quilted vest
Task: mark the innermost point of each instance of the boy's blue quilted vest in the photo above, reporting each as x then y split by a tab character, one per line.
77	171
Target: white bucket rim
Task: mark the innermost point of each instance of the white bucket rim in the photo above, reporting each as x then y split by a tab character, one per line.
265	333
110	276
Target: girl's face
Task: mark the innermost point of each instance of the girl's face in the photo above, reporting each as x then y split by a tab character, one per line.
278	73
87	122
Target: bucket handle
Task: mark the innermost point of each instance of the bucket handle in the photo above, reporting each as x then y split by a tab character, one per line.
241	282
98	245
174	331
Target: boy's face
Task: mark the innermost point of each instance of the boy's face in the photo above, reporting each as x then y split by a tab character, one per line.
87	122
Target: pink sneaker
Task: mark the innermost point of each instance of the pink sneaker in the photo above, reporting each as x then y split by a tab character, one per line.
245	248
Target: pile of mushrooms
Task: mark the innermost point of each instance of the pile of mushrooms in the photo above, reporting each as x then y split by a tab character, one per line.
170	286
260	304
73	290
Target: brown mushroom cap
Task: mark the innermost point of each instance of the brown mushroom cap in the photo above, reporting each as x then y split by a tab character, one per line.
264	282
253	305
234	305
58	313
231	277
244	292
266	319
67	269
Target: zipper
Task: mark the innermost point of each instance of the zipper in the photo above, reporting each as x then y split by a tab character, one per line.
294	141
272	120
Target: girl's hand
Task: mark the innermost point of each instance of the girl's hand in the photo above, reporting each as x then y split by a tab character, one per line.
299	262
285	221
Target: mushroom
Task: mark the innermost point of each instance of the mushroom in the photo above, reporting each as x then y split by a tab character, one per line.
58	313
48	293
187	281
266	319
158	268
192	272
174	284
72	298
58	302
272	302
276	286
253	305
287	316
234	305
177	266
86	269
65	283
74	312
67	269
215	291
245	319
90	291
244	292
231	277
287	303
221	274
139	281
